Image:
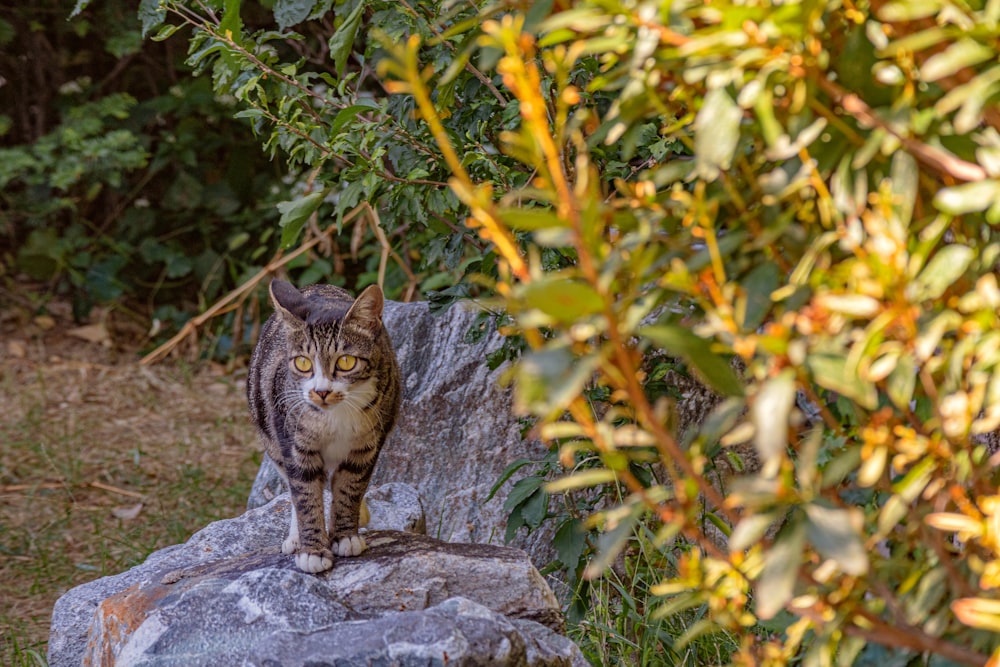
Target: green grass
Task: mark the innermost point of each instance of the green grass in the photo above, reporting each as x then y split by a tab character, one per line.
84	444
621	627
17	655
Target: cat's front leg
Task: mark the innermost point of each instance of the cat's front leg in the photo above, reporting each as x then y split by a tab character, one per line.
348	488
307	535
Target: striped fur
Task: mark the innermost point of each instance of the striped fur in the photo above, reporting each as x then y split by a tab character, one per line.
324	424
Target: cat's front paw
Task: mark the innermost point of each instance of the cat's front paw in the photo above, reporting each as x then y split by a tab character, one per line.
349	545
291	544
313	563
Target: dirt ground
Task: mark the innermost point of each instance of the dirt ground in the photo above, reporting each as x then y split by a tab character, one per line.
103	460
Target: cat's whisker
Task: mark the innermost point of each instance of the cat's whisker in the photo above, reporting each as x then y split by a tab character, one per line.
367	420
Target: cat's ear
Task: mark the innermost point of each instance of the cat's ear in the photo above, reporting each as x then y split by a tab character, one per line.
288	301
368	307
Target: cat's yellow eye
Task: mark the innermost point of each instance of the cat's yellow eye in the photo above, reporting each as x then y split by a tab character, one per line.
302	364
347	362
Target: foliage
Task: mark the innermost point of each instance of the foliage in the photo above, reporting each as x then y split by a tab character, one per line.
796	201
311	92
826	261
128	186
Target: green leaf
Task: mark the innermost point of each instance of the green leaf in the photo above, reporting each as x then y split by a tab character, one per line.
702	628
831	531
776	584
842	465
612	541
759	284
231	24
717	132
79	7
931	333
969	98
7	35
548	379
529	219
930	593
830	372
894	511
570	542
901	382
521	491
944	268
914	42
295	213
289	12
565	301
102	278
506	474
698	354
514	523
346	115
535	508
908	10
959	55
770	415
721	419
967	197
750	530
342	40
178	265
905	185
915	480
581	479
151	14
165	31
231	27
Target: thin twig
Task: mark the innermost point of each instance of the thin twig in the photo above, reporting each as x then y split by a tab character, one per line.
14	488
115	489
387	251
932	156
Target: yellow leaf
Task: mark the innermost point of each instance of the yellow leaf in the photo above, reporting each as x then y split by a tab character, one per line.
978	613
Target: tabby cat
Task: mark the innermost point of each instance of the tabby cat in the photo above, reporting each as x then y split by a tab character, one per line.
324	390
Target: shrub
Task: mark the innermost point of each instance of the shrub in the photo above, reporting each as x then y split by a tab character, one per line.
795	201
123	181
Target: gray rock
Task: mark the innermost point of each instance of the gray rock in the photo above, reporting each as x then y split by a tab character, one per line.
456	432
228	596
395	506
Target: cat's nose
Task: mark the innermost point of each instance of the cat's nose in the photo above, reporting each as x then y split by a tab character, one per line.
322	394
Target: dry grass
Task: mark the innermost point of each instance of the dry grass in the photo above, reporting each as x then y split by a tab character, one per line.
102	462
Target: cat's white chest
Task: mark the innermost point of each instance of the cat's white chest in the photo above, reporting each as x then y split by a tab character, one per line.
339	433
340	427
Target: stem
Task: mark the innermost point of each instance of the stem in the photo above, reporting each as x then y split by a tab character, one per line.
483	210
932	156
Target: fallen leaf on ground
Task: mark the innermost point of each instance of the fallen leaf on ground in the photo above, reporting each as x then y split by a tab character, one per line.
94	333
127	513
45	322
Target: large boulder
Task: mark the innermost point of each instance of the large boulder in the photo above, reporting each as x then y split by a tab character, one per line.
229	597
456	432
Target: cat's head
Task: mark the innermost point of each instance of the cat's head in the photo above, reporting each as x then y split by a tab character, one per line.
332	341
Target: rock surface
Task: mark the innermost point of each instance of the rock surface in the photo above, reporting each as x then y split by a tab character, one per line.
395	506
455	434
228	596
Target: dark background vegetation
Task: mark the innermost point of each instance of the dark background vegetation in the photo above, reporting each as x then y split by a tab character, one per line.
124	181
